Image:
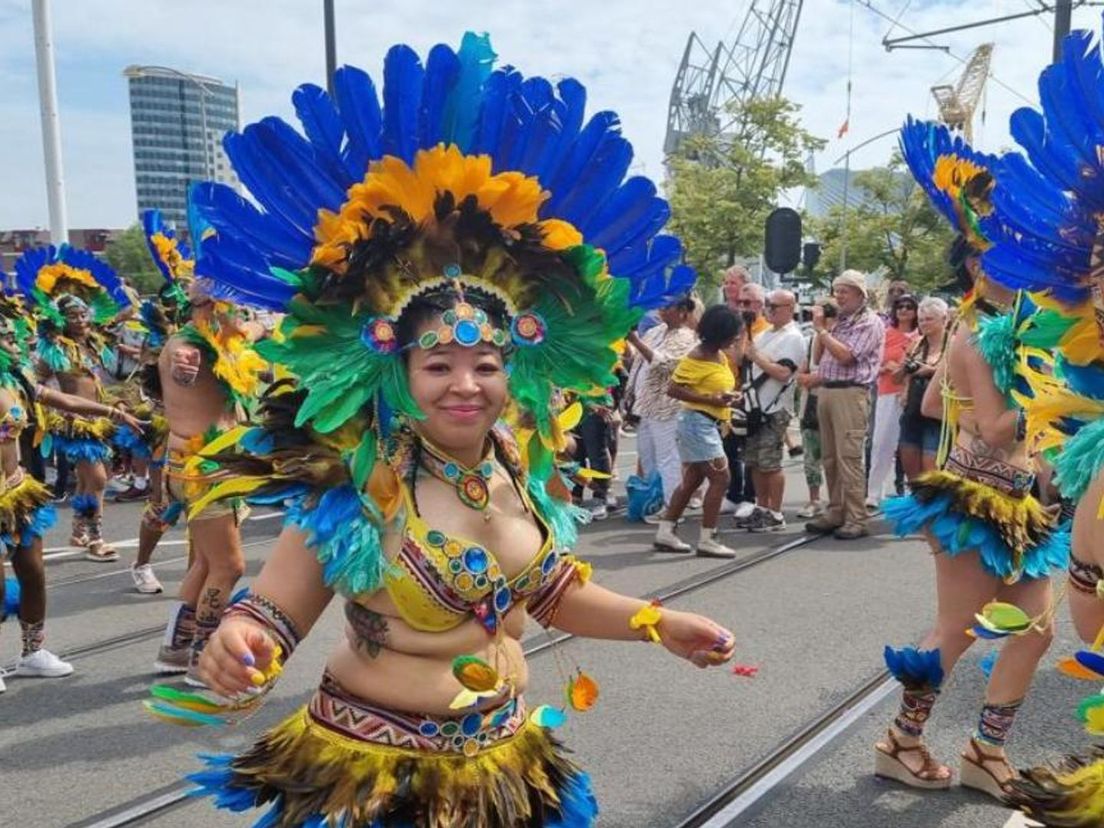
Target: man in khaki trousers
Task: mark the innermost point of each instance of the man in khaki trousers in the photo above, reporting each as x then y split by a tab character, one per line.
848	345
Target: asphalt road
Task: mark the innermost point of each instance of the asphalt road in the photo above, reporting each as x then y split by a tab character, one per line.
662	739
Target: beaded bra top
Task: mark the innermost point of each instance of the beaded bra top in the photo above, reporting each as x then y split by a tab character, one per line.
437	581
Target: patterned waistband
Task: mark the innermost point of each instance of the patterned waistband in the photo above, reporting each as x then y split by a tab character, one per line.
1085	577
1011	480
336	709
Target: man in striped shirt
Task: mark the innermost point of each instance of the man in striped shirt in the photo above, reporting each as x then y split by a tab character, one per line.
849	349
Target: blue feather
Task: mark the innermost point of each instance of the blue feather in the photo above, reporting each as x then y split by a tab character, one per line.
441	72
228	212
322	124
461	115
402	81
12	592
915	669
265	182
360	112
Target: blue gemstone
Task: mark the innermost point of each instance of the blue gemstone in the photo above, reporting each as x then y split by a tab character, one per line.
475	559
452	471
452	271
471	723
502	600
548	562
428	729
467	333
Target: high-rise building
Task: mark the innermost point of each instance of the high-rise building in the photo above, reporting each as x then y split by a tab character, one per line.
177	121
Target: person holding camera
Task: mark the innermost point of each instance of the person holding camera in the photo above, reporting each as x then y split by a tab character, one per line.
849	338
774	356
705	383
919	443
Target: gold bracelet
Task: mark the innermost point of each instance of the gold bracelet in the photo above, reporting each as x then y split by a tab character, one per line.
647	618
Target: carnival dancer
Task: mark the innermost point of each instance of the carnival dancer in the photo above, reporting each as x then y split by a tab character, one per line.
161	317
988	533
25	510
453	273
73	292
1044	236
206	370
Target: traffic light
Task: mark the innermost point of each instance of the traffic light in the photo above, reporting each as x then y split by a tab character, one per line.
810	255
783	244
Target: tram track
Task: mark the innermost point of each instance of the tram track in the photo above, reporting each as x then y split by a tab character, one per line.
175	796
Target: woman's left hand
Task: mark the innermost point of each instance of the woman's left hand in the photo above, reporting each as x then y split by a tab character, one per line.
696	638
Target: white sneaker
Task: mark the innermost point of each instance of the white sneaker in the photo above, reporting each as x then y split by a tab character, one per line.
728	507
42	664
744	510
710	547
667	541
811	509
599	511
145	581
654	518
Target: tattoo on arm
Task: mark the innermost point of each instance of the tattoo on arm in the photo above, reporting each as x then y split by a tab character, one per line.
370	628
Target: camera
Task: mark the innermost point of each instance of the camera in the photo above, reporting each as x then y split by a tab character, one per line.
911	366
749	318
831	309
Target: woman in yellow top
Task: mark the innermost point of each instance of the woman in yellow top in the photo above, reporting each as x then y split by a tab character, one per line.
706	385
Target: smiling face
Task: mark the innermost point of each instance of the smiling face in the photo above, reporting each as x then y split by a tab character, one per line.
932	322
461	391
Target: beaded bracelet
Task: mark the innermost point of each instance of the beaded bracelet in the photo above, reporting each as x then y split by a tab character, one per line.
269	615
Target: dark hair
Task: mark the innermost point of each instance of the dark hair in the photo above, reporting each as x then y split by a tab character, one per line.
907	299
435	302
719	325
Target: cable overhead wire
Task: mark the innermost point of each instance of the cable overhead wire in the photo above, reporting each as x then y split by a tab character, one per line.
947	50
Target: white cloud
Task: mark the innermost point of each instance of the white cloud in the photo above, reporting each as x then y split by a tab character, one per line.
625	52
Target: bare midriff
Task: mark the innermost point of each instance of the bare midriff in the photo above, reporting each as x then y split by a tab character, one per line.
9	450
410	670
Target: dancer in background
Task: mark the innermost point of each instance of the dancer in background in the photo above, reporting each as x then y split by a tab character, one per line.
75	296
989	535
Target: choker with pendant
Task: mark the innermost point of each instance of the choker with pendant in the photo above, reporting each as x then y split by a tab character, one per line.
472	484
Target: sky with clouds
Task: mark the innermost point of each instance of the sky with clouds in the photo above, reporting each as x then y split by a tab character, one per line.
625	51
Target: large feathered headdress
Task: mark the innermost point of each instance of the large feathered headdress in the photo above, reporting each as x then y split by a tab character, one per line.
46	274
464	178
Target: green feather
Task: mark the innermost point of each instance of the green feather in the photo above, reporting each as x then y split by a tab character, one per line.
996	340
363	460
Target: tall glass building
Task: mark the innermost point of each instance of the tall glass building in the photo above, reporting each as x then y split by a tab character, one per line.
177	121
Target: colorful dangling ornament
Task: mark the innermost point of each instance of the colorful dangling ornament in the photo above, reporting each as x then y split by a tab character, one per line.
581	691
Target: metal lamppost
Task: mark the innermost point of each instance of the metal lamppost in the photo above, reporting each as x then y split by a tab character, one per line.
51	122
846	158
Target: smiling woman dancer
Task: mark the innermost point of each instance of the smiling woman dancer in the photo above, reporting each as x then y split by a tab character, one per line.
452	273
988	533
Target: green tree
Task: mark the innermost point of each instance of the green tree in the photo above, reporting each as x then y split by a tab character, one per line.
130	257
891	225
721	188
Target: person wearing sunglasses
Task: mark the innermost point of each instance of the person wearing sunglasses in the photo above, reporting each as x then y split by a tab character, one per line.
901	333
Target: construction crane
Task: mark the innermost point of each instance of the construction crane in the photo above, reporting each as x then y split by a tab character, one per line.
711	83
958	103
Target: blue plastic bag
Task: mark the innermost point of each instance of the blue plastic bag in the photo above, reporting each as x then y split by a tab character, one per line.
645	496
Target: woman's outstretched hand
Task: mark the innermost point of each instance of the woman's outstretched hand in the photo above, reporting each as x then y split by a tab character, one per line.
695	638
234	654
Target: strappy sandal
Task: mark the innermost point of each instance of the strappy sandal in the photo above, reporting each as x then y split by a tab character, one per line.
974	773
99	551
888	765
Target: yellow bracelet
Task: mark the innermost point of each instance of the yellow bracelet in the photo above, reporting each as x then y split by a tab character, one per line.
647	618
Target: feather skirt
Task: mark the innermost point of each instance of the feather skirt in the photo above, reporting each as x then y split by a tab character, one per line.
81	439
1013	535
1067	794
26	512
311	774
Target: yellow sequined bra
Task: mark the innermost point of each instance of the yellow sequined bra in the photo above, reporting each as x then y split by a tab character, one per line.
438	581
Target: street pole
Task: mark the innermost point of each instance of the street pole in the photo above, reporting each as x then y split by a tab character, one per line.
1063	11
331	44
843	223
51	122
